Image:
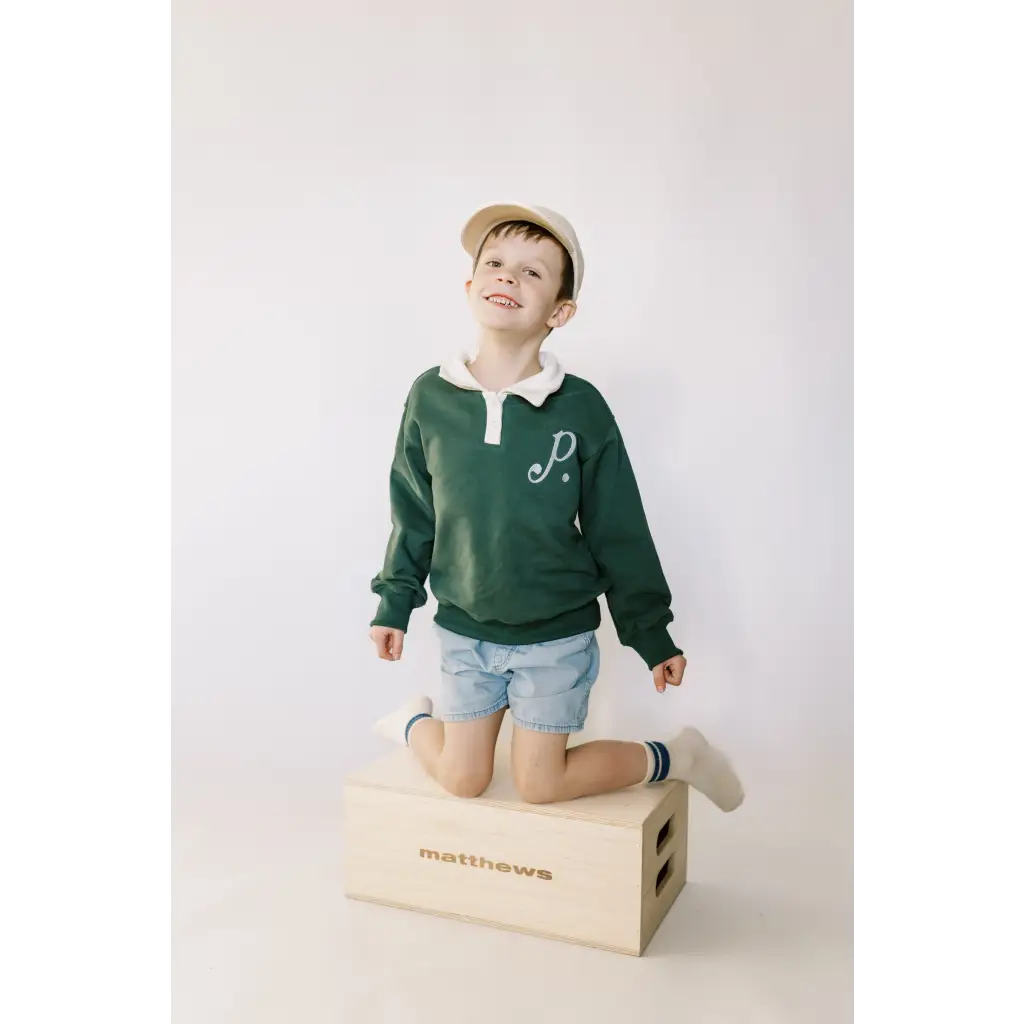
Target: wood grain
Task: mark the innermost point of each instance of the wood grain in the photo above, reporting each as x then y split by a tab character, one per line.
410	844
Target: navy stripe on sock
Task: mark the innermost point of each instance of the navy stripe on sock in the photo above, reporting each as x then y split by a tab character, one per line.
412	722
662	761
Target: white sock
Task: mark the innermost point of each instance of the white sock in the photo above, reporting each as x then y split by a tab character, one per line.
691	759
395	727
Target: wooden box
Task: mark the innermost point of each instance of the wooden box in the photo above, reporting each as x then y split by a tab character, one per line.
601	871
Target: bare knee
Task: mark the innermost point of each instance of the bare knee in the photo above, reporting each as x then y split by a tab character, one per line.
464	782
538	787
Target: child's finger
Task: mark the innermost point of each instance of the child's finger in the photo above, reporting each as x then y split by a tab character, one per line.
659	678
397	640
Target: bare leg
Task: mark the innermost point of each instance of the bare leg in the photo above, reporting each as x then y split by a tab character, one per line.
546	772
460	755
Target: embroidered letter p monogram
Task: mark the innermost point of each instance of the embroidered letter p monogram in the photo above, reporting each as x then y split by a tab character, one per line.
536	469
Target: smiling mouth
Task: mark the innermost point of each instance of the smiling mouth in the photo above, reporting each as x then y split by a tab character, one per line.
503	300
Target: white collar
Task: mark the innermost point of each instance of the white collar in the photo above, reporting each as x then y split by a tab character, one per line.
534	389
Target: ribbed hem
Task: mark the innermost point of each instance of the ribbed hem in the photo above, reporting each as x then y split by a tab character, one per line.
654	645
571	623
659	760
394	611
412	721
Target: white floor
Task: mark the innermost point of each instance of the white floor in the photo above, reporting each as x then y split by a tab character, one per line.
761	933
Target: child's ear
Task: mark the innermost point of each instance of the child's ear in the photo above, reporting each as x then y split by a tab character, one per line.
468	283
561	316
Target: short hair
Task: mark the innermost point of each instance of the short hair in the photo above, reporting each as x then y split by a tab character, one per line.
533	232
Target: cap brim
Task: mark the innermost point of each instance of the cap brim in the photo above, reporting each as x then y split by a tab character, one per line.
489	217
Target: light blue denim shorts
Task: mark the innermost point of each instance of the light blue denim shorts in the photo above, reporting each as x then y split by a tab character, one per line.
546	685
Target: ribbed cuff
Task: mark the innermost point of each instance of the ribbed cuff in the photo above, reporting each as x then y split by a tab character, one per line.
654	646
394	611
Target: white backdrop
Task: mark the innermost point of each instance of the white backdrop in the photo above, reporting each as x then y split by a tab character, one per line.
326	155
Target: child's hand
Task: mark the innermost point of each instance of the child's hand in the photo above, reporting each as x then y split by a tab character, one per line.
388	642
670	672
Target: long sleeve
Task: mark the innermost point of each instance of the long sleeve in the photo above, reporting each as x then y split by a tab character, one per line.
615	528
400	583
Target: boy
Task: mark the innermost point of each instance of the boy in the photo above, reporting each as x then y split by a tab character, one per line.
497	460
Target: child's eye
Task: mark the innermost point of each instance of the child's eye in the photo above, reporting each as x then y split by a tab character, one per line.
493	263
534	272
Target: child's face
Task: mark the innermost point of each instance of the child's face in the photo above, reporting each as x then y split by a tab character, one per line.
527	271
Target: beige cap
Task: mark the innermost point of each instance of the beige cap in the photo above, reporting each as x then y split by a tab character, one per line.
489	217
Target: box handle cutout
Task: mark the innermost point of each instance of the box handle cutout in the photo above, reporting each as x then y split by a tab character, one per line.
668	830
664	875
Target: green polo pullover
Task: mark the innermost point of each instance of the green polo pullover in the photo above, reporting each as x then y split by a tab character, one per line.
521	507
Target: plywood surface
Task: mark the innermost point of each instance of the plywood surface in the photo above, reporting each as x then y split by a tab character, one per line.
548	874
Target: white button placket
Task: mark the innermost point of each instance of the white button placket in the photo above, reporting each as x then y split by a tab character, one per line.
494	401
